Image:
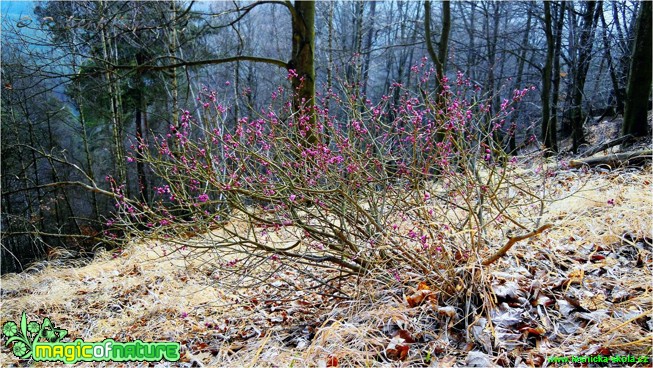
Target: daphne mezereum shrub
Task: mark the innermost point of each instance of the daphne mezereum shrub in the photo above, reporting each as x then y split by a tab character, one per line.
418	187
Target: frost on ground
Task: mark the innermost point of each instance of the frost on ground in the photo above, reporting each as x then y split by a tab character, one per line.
582	288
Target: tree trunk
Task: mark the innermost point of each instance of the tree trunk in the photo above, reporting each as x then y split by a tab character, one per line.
439	59
118	155
368	47
329	56
469	27
548	129
141	131
512	144
556	66
172	53
617	92
303	46
615	160
585	54
639	79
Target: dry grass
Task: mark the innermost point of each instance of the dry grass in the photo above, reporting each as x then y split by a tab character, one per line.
599	253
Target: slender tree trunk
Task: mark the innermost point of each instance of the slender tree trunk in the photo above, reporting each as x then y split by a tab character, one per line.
617	93
411	52
639	79
548	129
118	155
89	157
141	131
35	167
55	178
512	145
491	37
172	50
368	47
556	64
439	59
586	40
469	27
572	62
330	55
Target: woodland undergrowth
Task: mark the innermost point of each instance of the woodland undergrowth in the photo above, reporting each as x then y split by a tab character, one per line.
407	193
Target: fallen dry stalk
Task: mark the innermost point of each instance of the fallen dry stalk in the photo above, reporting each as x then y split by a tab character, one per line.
501	252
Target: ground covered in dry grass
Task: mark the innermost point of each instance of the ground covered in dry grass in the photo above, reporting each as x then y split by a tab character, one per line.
582	288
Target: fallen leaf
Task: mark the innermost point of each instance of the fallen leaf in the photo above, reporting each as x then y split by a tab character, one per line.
417	298
404	334
478	359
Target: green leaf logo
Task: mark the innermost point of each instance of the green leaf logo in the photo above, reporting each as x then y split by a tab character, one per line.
24	337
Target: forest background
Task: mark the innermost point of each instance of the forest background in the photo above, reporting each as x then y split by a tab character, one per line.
83	81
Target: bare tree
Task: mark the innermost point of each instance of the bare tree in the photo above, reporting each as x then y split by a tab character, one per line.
439	59
639	79
548	129
582	57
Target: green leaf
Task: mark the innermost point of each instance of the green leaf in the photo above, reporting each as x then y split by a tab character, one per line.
23	324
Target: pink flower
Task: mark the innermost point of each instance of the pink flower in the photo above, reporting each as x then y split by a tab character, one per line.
203	197
292	197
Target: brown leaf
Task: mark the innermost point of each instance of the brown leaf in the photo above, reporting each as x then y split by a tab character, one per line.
604	351
200	346
417	298
536	360
597	257
575	277
537	331
399	352
423	292
404	334
403	351
332	361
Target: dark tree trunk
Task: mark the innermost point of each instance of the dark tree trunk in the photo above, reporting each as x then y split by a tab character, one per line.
141	131
556	64
439	59
585	54
616	89
639	79
512	144
548	129
303	46
368	45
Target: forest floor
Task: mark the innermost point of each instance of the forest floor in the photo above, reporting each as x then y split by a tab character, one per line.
581	289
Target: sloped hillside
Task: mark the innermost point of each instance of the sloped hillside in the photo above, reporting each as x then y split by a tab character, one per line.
583	288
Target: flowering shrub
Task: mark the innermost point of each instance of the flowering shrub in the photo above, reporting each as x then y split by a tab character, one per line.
414	186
